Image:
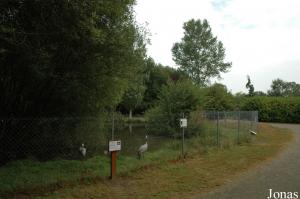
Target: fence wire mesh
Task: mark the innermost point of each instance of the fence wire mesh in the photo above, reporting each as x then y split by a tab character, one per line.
47	150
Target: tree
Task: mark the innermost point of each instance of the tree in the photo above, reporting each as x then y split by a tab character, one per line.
284	89
63	58
259	93
174	99
217	98
66	58
250	87
199	54
133	96
156	76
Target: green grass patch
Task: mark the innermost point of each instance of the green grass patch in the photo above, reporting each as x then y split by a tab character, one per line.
200	172
27	175
159	174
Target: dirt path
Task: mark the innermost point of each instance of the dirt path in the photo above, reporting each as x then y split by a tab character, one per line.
281	175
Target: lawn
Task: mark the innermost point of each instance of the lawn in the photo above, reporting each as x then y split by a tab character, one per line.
159	176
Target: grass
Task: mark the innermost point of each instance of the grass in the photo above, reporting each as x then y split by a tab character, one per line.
28	175
159	175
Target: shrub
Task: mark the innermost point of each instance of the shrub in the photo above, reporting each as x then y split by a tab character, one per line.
274	109
174	99
217	98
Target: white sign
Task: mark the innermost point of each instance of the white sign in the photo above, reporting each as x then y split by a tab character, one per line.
183	122
114	145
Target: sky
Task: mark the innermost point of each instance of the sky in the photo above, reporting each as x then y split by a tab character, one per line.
261	37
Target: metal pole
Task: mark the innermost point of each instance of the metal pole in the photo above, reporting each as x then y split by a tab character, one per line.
238	132
182	152
113	126
252	119
256	121
218	141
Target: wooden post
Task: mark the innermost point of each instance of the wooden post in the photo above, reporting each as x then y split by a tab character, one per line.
113	165
114	146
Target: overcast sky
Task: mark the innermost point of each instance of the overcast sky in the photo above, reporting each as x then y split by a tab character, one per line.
261	37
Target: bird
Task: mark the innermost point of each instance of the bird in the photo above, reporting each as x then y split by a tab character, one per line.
82	150
252	132
143	148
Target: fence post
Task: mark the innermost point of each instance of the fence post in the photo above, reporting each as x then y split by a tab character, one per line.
225	118
182	149
218	138
252	120
256	121
238	132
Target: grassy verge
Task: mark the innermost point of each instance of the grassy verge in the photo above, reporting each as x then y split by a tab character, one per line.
31	176
177	179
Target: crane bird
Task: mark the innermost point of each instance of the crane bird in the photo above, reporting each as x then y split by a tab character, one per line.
82	150
143	148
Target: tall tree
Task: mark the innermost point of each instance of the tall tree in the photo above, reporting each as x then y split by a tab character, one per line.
156	76
284	89
199	54
250	87
64	58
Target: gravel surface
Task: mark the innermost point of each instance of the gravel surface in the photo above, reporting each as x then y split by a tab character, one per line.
281	175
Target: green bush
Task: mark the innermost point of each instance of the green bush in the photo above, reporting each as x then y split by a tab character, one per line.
217	98
174	99
274	109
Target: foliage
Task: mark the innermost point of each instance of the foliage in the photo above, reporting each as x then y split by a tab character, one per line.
156	76
134	94
174	99
259	93
199	54
284	89
274	109
250	87
50	138
66	58
197	126
133	97
217	98
63	59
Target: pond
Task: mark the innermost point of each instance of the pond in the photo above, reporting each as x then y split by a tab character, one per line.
134	135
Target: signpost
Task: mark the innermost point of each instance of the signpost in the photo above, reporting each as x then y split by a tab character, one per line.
183	125
114	146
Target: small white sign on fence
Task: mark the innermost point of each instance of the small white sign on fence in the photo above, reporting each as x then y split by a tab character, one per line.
114	145
183	123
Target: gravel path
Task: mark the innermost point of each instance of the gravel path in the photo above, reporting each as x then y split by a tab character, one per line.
281	175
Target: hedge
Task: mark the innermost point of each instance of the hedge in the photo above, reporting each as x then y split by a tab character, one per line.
274	109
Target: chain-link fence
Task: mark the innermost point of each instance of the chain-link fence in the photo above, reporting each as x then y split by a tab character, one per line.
225	129
44	151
